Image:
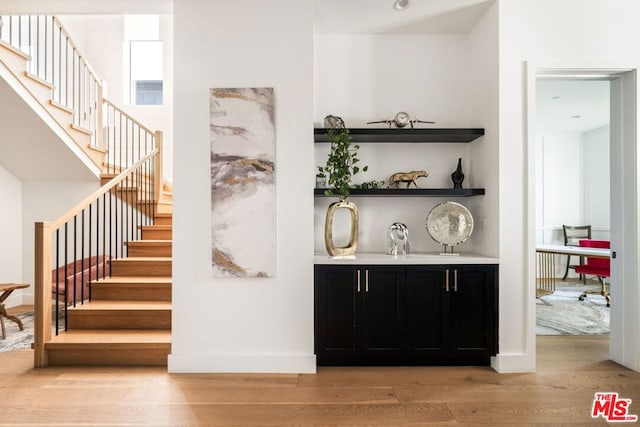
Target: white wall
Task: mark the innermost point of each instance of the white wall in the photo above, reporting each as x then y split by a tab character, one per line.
482	96
10	233
594	32
368	86
355	78
560	183
596	178
243	324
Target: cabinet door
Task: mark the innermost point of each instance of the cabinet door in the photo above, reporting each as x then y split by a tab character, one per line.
473	305
383	317
427	325
335	313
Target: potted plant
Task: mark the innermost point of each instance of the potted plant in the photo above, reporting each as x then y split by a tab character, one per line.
341	166
321	178
342	163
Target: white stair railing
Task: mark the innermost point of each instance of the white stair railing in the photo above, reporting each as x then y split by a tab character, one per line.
55	59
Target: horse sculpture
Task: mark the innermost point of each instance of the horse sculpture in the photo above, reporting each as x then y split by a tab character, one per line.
408	177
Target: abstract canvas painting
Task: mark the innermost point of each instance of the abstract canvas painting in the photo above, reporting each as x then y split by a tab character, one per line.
242	182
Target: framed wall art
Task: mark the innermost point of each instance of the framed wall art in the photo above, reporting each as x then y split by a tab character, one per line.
242	182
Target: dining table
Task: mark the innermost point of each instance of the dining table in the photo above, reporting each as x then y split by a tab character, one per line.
6	290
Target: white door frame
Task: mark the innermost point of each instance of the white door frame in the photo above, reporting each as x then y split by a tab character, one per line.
624	342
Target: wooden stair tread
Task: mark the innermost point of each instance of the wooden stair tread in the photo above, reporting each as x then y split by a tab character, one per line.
156	227
61	107
145	258
38	80
120	305
134	280
81	129
110	337
14	50
150	242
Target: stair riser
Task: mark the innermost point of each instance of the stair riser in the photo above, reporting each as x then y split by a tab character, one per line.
155	355
137	292
115	319
15	62
43	95
81	138
151	234
63	118
141	268
149	251
163	208
164	220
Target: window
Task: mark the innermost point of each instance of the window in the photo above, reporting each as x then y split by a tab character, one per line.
145	59
148	92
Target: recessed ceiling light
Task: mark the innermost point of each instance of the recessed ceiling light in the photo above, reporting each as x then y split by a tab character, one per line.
555	97
401	4
577	116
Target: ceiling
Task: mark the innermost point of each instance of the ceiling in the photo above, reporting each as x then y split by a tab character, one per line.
380	17
572	105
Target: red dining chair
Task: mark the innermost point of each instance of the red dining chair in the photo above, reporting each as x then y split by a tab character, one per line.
600	267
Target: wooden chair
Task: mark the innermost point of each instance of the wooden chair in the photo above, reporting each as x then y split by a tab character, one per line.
572	235
600	267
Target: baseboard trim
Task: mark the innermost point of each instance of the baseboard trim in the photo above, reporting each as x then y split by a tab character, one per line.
242	363
513	363
18	299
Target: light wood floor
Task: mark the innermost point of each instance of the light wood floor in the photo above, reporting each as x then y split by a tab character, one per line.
570	371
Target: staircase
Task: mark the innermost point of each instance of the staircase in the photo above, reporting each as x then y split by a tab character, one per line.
127	319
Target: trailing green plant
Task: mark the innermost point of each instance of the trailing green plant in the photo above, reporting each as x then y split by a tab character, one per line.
342	162
369	184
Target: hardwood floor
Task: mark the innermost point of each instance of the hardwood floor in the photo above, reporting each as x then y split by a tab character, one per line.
570	371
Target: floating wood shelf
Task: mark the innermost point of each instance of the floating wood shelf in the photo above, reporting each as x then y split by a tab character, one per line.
410	192
414	135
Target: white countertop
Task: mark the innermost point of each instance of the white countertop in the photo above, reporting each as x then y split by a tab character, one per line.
430	258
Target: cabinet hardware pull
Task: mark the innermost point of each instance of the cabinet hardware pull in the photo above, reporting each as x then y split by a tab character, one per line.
366	281
358	281
455	280
446	280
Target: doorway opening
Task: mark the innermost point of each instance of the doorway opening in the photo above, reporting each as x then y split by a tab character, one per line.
624	339
572	200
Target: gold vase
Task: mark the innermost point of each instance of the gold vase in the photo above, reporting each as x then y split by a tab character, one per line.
350	249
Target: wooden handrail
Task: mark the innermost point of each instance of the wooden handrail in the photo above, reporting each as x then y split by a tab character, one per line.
102	190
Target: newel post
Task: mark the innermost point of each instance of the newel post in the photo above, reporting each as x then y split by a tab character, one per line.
158	166
42	293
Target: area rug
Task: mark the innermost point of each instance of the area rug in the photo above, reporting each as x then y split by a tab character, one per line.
561	313
17	339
